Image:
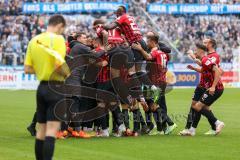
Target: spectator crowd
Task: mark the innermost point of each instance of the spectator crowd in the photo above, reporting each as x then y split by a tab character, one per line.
183	31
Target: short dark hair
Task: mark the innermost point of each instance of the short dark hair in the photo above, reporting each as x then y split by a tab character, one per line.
98	21
154	37
79	34
214	43
74	37
201	46
123	8
56	19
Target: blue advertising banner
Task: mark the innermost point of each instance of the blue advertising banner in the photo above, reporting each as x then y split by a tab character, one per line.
158	8
186	79
70	7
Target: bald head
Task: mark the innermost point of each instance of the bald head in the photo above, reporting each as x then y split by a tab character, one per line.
152	39
153	36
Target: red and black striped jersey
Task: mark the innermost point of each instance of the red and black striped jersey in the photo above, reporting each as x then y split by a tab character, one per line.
158	67
207	75
104	74
114	35
129	28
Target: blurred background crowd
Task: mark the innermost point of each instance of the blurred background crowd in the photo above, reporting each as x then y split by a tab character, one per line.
183	31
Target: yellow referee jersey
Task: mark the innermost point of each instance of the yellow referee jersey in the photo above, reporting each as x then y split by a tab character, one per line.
44	52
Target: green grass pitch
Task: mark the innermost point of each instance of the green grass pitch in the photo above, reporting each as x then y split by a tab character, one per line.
17	108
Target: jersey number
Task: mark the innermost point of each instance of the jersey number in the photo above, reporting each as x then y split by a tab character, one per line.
112	33
164	60
133	25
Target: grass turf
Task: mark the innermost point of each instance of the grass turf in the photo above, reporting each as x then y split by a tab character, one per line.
17	108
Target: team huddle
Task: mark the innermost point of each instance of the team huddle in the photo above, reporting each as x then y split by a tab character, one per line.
124	76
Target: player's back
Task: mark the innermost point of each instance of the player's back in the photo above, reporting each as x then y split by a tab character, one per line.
37	54
129	27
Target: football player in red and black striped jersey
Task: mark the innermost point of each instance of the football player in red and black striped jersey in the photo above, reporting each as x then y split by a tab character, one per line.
157	75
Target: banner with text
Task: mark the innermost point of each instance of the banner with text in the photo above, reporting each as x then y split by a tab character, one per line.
178	76
158	8
15	78
70	7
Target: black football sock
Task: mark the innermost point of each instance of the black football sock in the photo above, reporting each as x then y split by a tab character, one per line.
148	117
213	126
64	126
125	117
48	149
142	121
107	120
122	90
114	126
158	119
103	122
169	121
34	120
117	116
196	119
190	118
97	122
39	149
136	121
210	116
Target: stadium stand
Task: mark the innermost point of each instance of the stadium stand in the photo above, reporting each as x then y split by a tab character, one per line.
16	30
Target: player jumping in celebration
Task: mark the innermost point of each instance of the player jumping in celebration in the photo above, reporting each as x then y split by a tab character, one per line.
42	63
214	88
158	76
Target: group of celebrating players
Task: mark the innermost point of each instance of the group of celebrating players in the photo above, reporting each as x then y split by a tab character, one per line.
126	68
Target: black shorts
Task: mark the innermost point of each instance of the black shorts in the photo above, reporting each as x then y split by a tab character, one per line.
199	91
138	57
209	99
47	100
121	56
106	86
149	101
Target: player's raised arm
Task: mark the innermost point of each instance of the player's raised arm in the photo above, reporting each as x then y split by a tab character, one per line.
192	56
110	26
98	25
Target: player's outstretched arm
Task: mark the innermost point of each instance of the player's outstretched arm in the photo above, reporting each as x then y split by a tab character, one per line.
199	70
110	26
217	76
192	56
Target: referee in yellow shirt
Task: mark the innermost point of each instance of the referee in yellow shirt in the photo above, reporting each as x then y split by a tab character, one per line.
45	53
